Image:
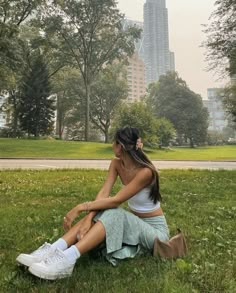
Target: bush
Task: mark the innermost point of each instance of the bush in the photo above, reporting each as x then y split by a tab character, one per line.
8	132
231	141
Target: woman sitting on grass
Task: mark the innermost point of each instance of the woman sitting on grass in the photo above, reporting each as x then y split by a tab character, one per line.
124	233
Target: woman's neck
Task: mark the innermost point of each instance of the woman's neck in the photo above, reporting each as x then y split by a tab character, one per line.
129	164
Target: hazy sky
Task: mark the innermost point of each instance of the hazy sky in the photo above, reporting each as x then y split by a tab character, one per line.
185	35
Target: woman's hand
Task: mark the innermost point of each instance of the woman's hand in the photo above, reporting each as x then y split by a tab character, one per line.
70	216
84	226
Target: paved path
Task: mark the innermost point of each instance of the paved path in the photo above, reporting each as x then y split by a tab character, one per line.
103	164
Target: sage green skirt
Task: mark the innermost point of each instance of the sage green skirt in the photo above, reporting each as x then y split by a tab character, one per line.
128	235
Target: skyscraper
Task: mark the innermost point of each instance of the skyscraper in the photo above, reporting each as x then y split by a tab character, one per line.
157	56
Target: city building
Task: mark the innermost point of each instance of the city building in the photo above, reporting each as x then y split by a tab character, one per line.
136	78
136	67
157	57
3	115
139	44
172	61
217	117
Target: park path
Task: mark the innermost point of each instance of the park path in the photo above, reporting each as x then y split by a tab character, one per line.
104	164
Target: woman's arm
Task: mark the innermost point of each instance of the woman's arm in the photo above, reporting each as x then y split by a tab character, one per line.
103	193
107	186
141	180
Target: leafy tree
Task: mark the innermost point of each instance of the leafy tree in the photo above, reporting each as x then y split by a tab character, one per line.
221	33
171	98
165	131
36	108
109	88
138	115
229	100
228	132
31	40
13	13
214	137
221	46
17	41
68	96
91	33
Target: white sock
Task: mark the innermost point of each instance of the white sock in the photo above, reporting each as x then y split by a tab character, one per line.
72	254
60	243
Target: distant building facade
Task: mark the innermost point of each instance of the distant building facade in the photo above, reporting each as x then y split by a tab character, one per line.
136	67
3	115
152	56
157	57
139	44
136	78
217	117
172	61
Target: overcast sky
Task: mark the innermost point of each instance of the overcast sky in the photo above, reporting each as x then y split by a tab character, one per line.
185	35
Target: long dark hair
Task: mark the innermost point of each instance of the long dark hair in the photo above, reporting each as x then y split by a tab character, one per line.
127	137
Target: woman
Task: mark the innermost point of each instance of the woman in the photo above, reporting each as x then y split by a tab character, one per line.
125	233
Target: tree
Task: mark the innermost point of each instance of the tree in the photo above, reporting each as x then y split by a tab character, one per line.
36	107
229	100
221	46
68	96
221	33
13	13
171	98
138	115
92	35
214	137
165	131
108	90
17	41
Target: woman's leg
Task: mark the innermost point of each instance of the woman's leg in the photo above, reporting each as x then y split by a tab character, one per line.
61	264
93	238
71	236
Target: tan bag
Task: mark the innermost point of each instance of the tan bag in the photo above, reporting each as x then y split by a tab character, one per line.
173	248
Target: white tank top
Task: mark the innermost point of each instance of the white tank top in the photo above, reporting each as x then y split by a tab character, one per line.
141	202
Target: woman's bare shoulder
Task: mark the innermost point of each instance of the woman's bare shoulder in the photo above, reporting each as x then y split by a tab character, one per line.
115	164
145	174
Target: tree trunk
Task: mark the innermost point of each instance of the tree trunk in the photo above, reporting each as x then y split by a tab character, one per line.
59	124
60	128
106	134
15	115
15	119
86	134
191	143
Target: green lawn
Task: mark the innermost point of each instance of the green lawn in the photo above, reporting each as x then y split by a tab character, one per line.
23	148
202	203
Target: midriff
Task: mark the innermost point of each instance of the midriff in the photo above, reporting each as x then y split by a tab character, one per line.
157	212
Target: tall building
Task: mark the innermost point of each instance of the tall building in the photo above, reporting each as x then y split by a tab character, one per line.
217	117
172	61
139	47
136	78
136	67
157	57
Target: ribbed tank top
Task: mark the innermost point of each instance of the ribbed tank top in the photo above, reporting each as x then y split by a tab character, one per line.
141	202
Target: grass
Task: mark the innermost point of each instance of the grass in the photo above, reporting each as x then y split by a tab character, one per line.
23	148
202	203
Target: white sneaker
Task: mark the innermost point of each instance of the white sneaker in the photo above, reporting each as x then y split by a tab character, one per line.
55	266
36	256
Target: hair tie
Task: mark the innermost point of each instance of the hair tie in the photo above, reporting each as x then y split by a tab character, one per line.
139	144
